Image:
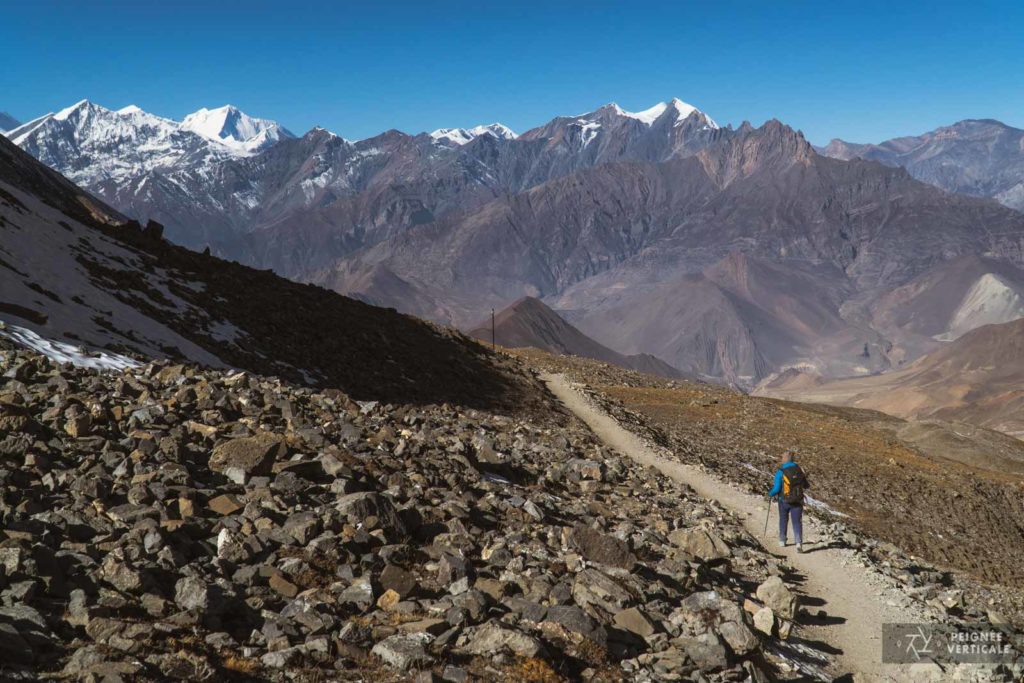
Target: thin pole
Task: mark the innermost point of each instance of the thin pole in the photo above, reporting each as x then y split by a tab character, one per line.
766	518
493	346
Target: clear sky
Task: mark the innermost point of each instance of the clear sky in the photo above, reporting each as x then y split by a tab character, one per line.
863	71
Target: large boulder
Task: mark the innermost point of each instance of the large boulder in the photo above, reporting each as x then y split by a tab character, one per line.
250	454
700	543
368	506
774	593
602	548
493	638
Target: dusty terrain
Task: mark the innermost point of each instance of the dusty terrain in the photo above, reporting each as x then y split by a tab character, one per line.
975	379
960	522
854	600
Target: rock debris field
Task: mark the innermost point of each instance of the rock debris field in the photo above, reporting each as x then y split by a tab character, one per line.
168	522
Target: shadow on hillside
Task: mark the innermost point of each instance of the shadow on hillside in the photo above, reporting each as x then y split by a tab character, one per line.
309	335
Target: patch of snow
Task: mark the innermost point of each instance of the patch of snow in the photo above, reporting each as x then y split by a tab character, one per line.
588	130
680	109
62	352
649	116
460	136
79	106
815	503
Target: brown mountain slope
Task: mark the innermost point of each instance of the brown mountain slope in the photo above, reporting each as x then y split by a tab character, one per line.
947	301
738	320
818	228
978	379
530	323
72	271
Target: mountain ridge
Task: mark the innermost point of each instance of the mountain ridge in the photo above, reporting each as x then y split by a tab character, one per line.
72	271
529	322
980	157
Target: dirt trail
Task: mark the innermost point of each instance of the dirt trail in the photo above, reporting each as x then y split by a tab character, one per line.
852	596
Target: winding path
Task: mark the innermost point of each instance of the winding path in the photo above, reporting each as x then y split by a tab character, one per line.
853	598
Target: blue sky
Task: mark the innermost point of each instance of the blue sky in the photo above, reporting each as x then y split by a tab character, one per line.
863	71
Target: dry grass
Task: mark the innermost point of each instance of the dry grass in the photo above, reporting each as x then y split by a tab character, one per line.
533	670
240	665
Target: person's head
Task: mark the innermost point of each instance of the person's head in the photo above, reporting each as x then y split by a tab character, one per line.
788	457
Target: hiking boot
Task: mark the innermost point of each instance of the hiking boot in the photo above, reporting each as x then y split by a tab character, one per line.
782	543
799	547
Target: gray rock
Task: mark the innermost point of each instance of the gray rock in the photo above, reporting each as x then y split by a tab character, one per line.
764	620
405	651
705	650
740	639
575	620
361	506
397	579
634	621
592	588
493	638
774	593
360	593
284	658
191	593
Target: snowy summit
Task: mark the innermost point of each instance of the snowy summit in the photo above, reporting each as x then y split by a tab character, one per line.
235	129
460	136
676	108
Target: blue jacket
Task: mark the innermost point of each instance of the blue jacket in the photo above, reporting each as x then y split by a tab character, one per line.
777	489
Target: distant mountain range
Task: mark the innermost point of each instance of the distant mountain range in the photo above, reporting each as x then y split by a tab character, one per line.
979	157
79	280
731	254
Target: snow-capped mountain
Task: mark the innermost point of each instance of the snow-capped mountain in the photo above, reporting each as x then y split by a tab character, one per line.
667	129
153	167
249	189
235	129
614	215
7	122
678	110
91	144
460	136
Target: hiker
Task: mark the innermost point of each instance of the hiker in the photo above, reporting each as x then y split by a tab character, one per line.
790	483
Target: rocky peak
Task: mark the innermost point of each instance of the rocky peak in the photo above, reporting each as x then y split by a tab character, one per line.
774	145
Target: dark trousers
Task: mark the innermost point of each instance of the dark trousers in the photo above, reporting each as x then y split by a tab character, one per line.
794	512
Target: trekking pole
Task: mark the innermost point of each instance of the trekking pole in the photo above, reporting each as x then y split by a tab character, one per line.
766	517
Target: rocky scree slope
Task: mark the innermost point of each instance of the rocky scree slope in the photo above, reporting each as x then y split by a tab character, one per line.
73	270
170	522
